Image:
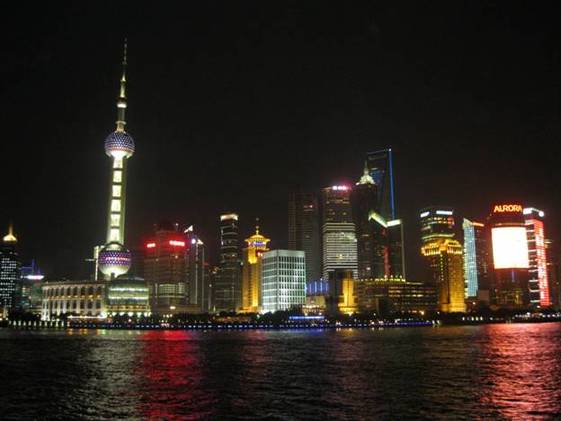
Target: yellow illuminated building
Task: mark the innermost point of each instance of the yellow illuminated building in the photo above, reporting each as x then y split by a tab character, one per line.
347	299
251	272
445	259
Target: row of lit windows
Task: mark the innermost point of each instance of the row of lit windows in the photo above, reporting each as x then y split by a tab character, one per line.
72	304
71	291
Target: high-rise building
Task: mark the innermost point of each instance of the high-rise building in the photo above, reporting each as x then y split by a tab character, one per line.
165	269
303	230
31	284
380	167
227	288
10	272
379	241
252	271
338	231
395	295
114	259
475	257
446	262
552	254
437	223
510	262
284	280
538	282
198	282
443	257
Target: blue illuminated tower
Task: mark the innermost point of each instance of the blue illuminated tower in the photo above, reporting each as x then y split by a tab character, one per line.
114	259
380	166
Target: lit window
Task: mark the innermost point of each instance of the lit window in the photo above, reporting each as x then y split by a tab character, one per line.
115	205
118	163
117	176
116	191
115	219
114	234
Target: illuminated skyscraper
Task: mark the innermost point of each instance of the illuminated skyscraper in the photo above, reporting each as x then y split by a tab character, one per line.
198	282
284	280
380	167
538	282
446	262
443	257
475	257
510	263
339	238
226	287
437	223
251	271
10	267
303	230
379	241
114	259
165	269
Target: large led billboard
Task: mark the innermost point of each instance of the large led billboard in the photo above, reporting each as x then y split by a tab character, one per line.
510	248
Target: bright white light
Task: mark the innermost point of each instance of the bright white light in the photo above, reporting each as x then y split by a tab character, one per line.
444	212
394	222
510	248
229	216
425	214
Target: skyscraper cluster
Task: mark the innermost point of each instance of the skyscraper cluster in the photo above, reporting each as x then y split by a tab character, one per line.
345	254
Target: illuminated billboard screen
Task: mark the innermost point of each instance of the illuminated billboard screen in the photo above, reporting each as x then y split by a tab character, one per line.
510	248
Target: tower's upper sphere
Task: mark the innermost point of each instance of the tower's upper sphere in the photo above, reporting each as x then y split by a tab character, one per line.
119	145
114	260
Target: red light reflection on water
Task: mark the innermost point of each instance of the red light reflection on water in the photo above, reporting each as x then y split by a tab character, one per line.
522	368
170	377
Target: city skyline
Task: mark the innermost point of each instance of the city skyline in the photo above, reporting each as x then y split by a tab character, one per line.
69	112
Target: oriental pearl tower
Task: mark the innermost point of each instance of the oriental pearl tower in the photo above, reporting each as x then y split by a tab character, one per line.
114	259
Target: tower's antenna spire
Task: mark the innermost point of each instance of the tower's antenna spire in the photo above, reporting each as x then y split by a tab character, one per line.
122	100
256	225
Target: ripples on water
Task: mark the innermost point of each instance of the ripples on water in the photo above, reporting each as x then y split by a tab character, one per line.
493	371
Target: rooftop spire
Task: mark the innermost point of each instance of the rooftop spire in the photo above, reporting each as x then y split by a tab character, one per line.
10	238
256	226
122	100
366	177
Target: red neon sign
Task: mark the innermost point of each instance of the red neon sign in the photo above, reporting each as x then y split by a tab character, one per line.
177	243
150	245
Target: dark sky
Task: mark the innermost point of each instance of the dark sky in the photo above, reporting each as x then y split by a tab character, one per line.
232	104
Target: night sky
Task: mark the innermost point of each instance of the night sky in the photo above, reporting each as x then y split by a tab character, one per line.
232	104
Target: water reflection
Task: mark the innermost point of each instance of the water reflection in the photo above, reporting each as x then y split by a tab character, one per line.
169	377
521	370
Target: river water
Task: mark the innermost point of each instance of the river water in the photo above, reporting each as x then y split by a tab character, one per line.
501	371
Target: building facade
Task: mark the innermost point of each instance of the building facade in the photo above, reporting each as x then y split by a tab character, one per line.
165	270
339	244
284	280
475	257
252	272
395	295
538	282
198	281
510	257
227	285
443	258
303	230
10	273
80	299
380	168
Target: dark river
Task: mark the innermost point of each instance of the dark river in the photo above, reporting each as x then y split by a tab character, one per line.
493	371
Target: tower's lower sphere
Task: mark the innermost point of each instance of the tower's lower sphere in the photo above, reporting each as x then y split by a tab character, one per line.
114	260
